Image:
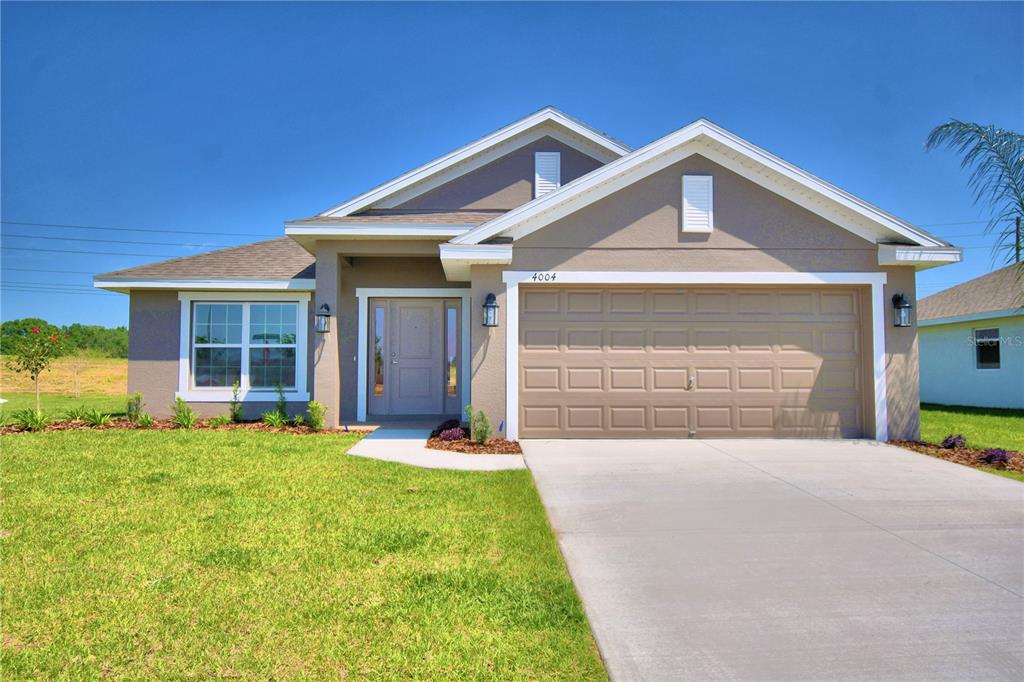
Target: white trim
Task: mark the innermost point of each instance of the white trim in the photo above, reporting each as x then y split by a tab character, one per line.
223	395
456	259
363	296
919	256
876	280
208	284
412	230
421	174
700	136
971	317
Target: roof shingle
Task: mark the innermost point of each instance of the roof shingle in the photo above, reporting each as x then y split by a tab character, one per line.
999	290
281	258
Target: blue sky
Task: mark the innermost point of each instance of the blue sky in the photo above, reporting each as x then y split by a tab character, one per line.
218	122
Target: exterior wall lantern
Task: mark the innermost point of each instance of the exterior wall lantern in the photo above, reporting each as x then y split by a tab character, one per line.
323	319
901	311
491	311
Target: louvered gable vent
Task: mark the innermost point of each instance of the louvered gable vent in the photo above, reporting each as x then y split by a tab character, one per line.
698	203
547	172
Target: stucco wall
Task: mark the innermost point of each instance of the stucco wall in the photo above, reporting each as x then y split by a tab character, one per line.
639	228
154	324
504	183
949	373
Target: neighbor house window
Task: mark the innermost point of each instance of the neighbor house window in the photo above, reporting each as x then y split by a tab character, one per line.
260	345
986	348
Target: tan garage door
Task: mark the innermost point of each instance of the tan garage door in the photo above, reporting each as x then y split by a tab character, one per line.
703	362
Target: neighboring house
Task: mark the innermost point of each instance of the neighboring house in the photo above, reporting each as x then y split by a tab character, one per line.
697	286
972	342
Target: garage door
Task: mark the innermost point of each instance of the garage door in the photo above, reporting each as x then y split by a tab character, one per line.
703	362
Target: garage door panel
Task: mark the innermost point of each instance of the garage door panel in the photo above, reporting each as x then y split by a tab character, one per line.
670	361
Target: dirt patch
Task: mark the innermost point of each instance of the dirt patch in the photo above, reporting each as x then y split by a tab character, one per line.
972	457
495	446
124	424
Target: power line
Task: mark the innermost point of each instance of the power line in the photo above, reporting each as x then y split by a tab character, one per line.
66	272
55	292
94	253
135	229
62	285
120	241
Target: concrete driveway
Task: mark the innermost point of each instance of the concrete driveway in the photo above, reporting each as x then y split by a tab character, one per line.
785	560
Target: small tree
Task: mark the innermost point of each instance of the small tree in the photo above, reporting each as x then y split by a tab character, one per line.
33	352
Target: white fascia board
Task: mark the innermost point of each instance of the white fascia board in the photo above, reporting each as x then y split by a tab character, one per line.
548	114
973	317
669	149
390	230
208	284
456	259
921	257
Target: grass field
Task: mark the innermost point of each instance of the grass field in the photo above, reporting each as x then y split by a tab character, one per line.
94	376
54	405
982	427
140	554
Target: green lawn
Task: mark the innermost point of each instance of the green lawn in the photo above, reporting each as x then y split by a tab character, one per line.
143	554
982	427
55	404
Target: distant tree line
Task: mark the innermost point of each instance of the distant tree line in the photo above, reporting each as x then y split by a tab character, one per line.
81	339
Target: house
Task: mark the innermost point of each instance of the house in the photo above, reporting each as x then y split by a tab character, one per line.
697	286
972	342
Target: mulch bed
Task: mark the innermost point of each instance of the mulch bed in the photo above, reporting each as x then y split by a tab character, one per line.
495	446
121	423
972	457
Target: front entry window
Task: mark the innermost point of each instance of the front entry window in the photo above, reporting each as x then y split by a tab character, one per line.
378	350
451	336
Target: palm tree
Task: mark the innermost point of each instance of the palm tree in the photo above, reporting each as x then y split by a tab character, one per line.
996	157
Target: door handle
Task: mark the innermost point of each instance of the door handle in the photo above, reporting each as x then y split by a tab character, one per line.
394	362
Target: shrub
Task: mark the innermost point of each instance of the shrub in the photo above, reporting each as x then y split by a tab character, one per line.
299	420
144	421
479	425
953	442
996	456
184	416
32	420
452	434
221	420
5	419
282	404
76	414
274	420
134	407
235	406
96	418
444	426
317	413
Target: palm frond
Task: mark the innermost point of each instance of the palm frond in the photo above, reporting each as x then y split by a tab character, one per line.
995	157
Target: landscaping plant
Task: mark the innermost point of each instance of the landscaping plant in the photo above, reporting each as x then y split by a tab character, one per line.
96	418
144	421
221	420
282	404
996	456
479	425
235	406
452	434
76	413
33	420
299	420
317	413
32	353
952	442
134	406
275	420
184	416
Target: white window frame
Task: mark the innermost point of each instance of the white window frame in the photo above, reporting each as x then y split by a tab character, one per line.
223	394
998	343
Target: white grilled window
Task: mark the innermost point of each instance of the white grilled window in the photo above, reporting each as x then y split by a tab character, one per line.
698	203
547	172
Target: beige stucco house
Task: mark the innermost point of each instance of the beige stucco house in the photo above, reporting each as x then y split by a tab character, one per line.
695	287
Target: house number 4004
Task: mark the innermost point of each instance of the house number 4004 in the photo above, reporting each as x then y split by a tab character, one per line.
543	277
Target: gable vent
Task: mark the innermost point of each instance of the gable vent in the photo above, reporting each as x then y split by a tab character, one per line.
698	203
547	172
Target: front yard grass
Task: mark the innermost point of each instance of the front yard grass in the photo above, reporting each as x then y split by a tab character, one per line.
54	405
257	555
982	427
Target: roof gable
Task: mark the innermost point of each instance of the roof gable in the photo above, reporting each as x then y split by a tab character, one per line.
704	138
546	122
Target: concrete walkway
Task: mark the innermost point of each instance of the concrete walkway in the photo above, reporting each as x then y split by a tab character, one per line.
788	560
409	446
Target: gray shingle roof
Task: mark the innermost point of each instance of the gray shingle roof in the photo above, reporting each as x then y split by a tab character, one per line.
406	216
999	290
280	258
